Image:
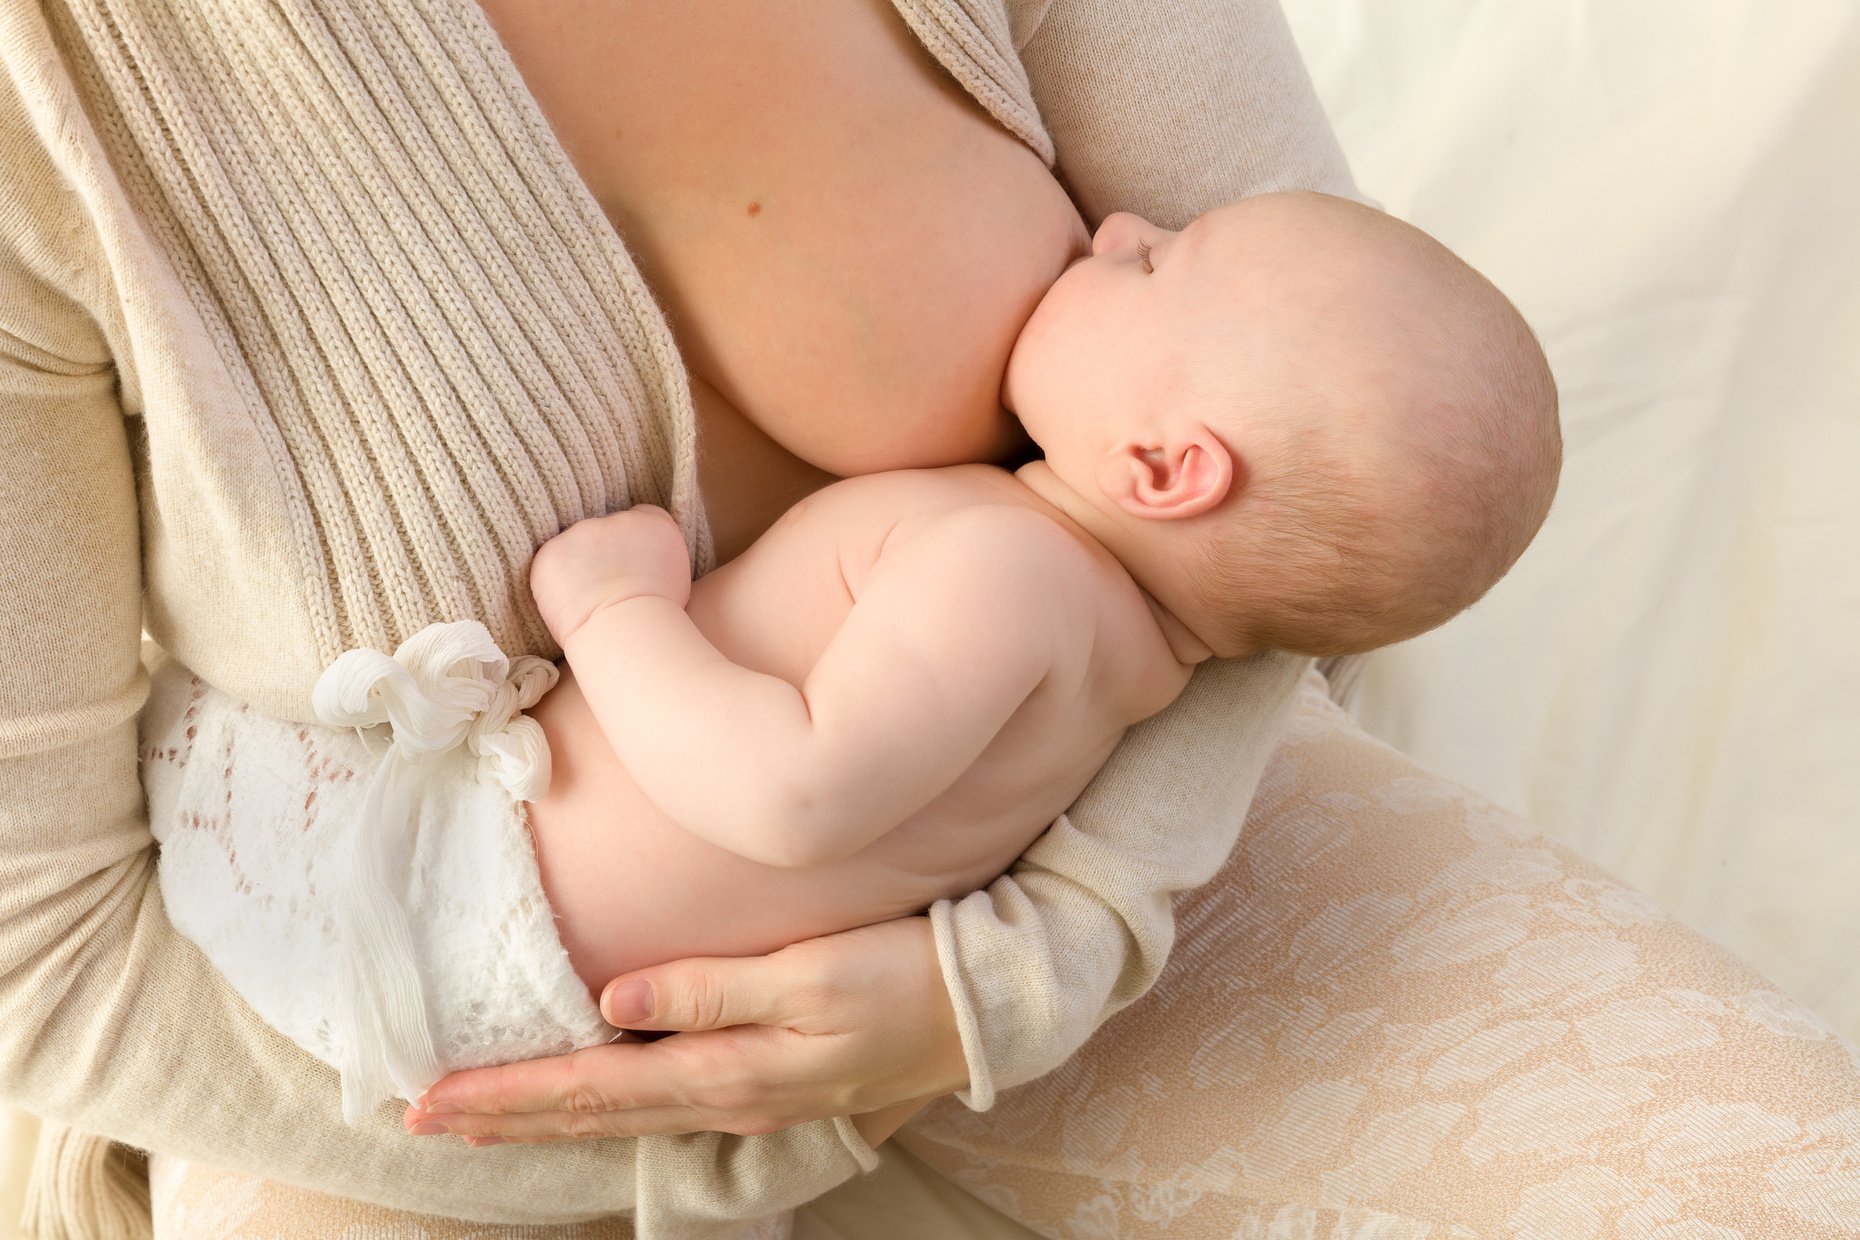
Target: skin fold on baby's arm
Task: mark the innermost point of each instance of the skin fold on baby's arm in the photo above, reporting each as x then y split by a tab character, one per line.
954	626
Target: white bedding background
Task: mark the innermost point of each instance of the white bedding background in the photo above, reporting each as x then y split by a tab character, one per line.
1670	679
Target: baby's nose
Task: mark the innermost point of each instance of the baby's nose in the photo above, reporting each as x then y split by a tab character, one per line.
1112	232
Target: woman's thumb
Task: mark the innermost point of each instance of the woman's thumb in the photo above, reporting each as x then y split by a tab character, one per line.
707	992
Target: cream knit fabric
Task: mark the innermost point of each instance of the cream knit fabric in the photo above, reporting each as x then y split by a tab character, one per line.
309	335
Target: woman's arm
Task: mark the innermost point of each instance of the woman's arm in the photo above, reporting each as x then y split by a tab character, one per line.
1171	110
862	1021
108	1019
1082	924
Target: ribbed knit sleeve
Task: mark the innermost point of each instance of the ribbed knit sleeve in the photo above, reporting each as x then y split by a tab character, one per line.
1166	110
109	1020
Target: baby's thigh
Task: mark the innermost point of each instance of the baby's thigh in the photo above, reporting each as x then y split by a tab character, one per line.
1398	1008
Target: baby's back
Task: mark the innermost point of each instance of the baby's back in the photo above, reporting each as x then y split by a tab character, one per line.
632	888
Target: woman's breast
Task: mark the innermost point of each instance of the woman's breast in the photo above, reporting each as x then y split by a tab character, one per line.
845	243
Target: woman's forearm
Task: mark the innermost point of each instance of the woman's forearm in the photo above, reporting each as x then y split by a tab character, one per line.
1082	924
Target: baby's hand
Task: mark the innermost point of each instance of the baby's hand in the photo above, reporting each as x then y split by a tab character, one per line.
606	560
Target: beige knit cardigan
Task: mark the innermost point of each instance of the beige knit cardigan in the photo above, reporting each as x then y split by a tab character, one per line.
309	335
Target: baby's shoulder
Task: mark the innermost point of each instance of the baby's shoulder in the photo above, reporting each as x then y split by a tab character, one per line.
902	490
983	518
1020	570
980	510
941	536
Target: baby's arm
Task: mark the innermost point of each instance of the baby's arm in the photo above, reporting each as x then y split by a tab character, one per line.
956	624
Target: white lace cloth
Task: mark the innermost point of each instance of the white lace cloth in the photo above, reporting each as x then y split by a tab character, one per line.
370	887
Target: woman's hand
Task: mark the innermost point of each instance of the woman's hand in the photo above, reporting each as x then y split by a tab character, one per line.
857	1023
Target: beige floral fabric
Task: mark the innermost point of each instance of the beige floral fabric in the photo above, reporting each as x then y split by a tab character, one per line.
1397	1013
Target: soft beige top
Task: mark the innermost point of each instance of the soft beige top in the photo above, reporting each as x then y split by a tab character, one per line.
309	335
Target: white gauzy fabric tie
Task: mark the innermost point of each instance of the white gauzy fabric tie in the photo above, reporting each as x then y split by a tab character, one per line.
445	686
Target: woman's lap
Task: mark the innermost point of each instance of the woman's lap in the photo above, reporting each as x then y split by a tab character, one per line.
1397	1012
191	1201
1401	1012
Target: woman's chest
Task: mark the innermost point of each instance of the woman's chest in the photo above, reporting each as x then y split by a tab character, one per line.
844	242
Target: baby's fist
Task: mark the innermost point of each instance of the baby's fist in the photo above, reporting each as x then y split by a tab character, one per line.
606	560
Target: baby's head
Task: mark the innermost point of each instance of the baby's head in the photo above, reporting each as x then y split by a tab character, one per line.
1300	423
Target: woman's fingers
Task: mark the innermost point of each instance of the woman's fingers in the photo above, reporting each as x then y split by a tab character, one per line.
703	992
725	1088
589	1081
567	1125
721	1071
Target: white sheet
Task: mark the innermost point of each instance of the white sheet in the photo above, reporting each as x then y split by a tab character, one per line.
1670	679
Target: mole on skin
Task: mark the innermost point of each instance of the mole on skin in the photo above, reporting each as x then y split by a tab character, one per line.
755	208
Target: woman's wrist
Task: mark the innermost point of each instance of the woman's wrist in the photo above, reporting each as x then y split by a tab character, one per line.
876	1127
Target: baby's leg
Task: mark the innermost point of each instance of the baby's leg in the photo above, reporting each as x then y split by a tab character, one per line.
1400	1012
586	862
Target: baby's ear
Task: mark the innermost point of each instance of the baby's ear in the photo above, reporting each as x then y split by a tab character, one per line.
1182	476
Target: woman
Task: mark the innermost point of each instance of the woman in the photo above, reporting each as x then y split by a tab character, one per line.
380	341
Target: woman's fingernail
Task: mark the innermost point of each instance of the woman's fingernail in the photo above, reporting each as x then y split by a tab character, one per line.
481	1142
442	1108
626	1002
427	1128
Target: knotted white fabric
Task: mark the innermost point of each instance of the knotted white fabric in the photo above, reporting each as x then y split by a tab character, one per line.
445	687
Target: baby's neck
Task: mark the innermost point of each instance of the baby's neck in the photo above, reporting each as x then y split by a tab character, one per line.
1089	525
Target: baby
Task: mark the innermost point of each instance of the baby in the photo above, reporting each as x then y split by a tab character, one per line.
1296	424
